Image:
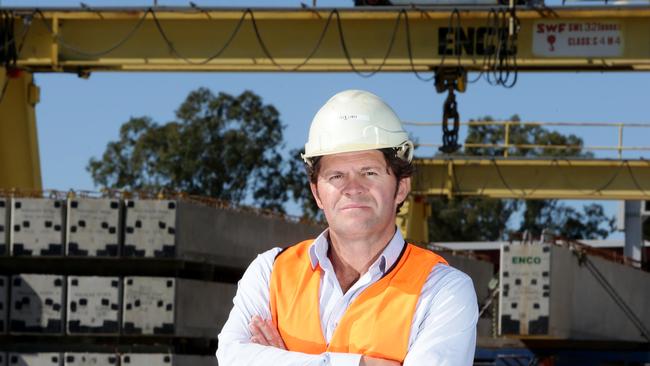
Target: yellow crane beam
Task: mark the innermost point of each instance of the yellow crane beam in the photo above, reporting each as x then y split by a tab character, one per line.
19	158
592	179
344	40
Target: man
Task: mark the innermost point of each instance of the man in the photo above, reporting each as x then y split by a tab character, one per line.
358	294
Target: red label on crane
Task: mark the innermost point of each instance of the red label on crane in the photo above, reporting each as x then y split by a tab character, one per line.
553	38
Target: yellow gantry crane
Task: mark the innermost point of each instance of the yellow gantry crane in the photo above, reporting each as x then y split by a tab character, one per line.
499	40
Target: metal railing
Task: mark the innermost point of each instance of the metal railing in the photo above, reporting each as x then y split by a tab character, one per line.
507	144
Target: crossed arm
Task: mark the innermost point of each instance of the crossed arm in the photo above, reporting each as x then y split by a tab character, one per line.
263	332
444	335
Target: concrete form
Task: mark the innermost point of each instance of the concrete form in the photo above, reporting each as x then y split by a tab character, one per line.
589	297
93	305
37	304
36	227
92	227
175	307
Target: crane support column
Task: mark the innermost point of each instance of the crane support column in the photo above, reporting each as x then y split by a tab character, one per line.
19	158
413	219
633	231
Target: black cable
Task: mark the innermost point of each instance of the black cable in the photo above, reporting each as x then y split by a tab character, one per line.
636	183
555	162
502	71
512	51
497	57
317	46
260	41
500	59
493	44
179	55
60	41
410	50
486	57
503	180
347	53
454	14
604	186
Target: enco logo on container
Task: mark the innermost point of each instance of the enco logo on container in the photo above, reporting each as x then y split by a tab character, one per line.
526	260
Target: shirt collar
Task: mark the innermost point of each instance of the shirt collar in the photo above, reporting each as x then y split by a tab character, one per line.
390	255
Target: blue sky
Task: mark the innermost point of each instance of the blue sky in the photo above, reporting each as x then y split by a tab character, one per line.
76	117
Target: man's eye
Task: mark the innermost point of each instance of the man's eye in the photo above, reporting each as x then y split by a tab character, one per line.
371	173
335	177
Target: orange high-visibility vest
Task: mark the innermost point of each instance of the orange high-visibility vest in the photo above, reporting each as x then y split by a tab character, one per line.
377	323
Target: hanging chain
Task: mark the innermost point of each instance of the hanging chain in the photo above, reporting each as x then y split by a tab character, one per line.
450	80
450	135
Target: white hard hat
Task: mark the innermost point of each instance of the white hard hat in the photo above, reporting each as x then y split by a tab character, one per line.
356	120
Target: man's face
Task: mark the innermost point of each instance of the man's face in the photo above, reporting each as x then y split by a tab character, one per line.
358	193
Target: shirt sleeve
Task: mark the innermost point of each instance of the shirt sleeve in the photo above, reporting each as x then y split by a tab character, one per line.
446	318
252	298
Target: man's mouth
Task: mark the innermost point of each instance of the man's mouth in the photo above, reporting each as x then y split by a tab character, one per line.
352	206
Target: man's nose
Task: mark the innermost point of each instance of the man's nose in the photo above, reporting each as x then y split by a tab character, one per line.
354	185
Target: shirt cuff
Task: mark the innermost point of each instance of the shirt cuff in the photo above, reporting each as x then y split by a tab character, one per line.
343	359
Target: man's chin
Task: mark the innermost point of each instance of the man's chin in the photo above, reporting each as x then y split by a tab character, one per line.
354	226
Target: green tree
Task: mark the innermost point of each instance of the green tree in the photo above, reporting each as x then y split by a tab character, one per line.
475	218
298	185
223	146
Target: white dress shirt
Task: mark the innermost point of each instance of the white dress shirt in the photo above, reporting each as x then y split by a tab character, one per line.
443	331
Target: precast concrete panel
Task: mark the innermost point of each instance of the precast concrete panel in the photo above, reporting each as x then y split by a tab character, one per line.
525	289
93	305
91	359
150	228
36	227
599	299
35	359
233	238
172	306
92	227
162	359
4	304
37	304
4	225
149	304
202	307
194	231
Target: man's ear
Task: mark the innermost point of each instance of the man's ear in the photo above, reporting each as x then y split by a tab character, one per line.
314	192
403	189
